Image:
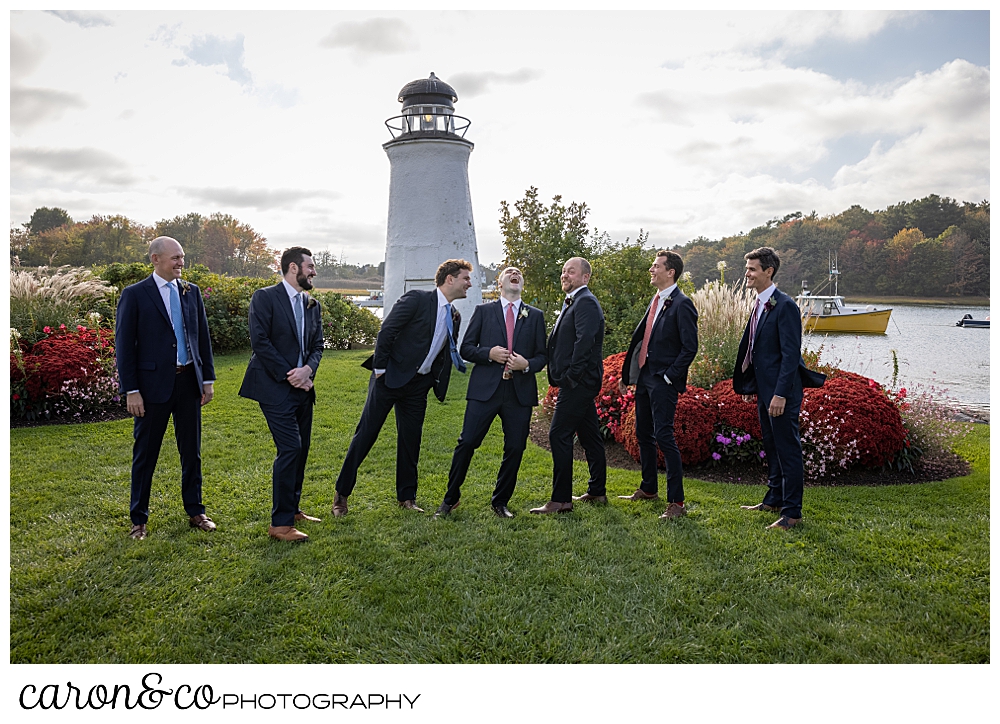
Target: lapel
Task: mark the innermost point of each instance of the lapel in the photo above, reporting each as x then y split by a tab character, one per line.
285	304
659	317
518	321
154	295
765	314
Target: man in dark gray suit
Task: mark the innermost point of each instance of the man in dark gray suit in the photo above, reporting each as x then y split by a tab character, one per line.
165	367
506	340
576	367
414	352
286	335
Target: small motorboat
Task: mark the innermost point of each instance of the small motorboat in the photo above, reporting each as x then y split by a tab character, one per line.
968	321
831	314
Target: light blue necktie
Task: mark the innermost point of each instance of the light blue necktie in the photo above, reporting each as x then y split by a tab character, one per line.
178	322
297	308
455	358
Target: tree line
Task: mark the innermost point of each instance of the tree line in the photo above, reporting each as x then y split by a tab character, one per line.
932	246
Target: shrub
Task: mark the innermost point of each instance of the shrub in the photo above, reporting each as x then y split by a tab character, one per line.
693	426
731	445
345	324
66	374
49	297
611	403
931	428
733	411
722	316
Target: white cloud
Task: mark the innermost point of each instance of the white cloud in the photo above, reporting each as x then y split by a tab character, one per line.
83	19
259	198
212	50
377	36
59	166
29	106
478	83
25	54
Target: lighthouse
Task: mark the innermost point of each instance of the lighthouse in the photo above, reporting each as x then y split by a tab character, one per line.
430	207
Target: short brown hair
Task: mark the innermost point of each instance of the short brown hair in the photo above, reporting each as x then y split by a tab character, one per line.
293	256
450	268
672	260
767	257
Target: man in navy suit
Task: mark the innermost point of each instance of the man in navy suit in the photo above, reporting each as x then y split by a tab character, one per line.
164	358
769	365
663	347
576	367
286	336
506	340
414	351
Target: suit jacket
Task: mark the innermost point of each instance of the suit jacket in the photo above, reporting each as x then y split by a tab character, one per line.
673	343
777	367
487	329
275	344
145	345
405	339
576	345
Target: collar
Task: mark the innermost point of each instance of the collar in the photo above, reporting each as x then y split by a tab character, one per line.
289	289
506	303
160	281
667	292
442	299
573	293
765	295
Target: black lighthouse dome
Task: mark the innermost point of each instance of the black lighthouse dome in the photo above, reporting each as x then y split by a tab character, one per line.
430	91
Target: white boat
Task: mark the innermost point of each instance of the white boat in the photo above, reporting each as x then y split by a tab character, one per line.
830	313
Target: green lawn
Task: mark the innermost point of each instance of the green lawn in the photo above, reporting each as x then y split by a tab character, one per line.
889	574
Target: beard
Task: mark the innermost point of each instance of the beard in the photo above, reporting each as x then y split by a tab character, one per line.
304	282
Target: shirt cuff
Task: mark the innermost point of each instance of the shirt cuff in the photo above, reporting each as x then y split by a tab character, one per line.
667	380
131	392
379	372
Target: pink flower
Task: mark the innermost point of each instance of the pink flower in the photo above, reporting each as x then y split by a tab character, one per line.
47	330
80	328
62	326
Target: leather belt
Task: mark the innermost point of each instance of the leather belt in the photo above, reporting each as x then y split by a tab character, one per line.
182	368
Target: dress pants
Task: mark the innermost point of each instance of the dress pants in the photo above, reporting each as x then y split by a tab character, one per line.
410	403
784	457
655	405
479	416
147	431
575	414
290	424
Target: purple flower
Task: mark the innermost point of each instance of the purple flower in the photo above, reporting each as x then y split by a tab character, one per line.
727	440
762	454
719	438
716	456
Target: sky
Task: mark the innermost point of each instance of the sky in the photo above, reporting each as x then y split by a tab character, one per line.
678	123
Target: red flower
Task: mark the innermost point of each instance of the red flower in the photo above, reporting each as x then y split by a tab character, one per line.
17	396
80	328
62	326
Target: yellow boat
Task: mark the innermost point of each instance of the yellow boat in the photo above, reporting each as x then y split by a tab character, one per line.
831	314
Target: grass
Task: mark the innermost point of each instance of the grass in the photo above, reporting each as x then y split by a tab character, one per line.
888	574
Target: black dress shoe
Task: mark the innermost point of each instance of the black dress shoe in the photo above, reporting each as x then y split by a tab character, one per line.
445	510
501	511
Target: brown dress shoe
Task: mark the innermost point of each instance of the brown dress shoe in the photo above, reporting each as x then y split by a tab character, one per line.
784	523
300	516
444	510
410	505
554	507
761	507
202	522
339	509
640	494
287	533
674	510
588	498
138	532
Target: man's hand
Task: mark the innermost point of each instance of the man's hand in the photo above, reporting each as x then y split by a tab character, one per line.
777	407
749	398
622	389
299	377
133	402
499	354
207	393
516	362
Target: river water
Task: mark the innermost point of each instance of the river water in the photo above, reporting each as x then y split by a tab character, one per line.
933	353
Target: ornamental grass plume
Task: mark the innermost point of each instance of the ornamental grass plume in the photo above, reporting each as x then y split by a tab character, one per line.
723	311
49	296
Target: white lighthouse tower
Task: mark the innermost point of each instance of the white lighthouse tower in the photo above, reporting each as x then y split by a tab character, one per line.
430	208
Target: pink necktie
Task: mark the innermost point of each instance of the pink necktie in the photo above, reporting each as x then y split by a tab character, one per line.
510	327
650	318
753	329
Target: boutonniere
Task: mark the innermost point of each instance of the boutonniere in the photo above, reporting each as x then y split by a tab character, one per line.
310	303
569	302
769	305
523	314
667	302
183	285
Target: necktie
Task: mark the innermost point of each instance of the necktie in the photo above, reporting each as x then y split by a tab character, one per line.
456	360
650	318
510	332
753	329
299	316
178	321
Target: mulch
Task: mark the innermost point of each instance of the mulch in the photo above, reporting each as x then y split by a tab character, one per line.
928	468
102	416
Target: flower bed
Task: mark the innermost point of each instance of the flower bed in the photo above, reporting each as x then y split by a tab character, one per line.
68	374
